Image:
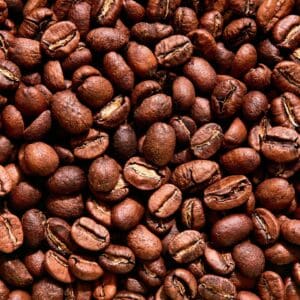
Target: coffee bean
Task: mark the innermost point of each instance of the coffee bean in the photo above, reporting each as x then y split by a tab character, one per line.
159	11
186	246
282	254
207	140
180	284
216	287
34	263
89	235
10	75
84	269
117	259
45	287
144	244
290	231
227	193
11	232
270	286
231	229
106	12
221	263
192	213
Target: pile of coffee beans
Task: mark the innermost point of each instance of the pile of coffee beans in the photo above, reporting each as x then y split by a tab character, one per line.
149	149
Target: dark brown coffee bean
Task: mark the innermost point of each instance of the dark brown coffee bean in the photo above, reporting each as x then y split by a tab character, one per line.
185	20
144	244
227	97
245	295
10	75
106	286
227	193
258	78
249	265
255	105
159	144
66	207
266	227
60	39
201	111
282	254
275	194
240	161
239	31
183	93
103	174
34	263
15	272
70	113
157	225
236	134
143	175
47	288
114	113
57	266
106	12
159	11
269	12
147	33
186	246
67	180
290	231
128	295
216	287
221	263
195	175
192	213
270	286
231	229
117	259
165	201
11	232
153	109
125	142
286	110
118	71
207	140
127	214
134	10
174	50
201	73
244	7
89	235
84	269
58	236
180	284
285	77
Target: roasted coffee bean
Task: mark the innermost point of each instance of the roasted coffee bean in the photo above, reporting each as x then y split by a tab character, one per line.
89	235
48	288
10	75
174	50
180	284
144	244
269	12
143	175
159	144
60	39
106	12
258	78
159	11
231	229
216	287
290	231
192	213
165	201
235	135
183	93
275	194
221	263
270	286
282	254
227	193
117	259
34	262
195	175
207	140
186	246
266	227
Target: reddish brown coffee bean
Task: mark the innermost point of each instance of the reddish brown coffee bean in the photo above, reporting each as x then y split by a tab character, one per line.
275	194
165	201
270	286
212	286
89	235
236	134
231	229
117	259
290	231
144	244
255	105
207	140
258	78
106	12
266	227
71	115
127	214
227	193
183	93
192	213
201	73
34	262
159	144
245	295
157	11
282	254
